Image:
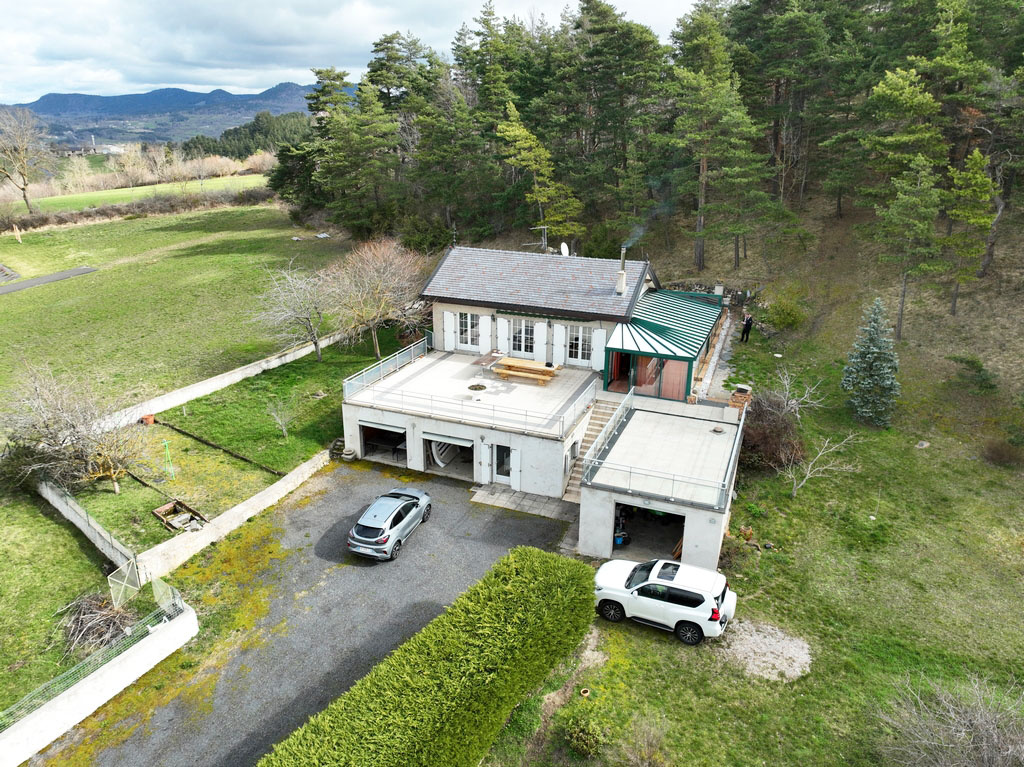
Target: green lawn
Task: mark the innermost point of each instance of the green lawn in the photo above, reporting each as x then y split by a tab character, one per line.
46	564
928	588
169	305
207	479
111	196
237	418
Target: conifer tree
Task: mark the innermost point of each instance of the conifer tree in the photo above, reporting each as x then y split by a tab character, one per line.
870	373
556	204
970	206
907	226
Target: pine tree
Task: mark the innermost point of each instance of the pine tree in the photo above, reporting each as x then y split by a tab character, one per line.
907	226
556	204
870	373
970	206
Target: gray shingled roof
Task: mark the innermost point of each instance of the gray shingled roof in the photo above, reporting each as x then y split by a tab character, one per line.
549	284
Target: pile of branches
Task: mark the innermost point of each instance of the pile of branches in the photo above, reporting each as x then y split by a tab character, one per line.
91	622
770	436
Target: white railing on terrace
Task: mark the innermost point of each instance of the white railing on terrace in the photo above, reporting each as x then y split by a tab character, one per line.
555	424
371	375
646	482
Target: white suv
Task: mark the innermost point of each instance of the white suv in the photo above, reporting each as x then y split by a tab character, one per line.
690	601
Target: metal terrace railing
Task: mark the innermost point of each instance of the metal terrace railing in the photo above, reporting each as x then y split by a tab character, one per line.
357	382
657	484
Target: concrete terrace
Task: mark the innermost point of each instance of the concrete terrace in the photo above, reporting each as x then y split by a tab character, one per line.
671	450
438	384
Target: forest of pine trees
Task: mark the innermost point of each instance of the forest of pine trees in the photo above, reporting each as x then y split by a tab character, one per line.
597	130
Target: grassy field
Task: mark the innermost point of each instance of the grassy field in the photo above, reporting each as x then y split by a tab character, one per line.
46	564
237	418
169	305
207	479
111	196
910	569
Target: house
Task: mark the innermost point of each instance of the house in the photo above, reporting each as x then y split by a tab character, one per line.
551	374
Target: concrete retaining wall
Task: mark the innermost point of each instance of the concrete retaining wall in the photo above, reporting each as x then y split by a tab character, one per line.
165	557
47	723
107	544
210	385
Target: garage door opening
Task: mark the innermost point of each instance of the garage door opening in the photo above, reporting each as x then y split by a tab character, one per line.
652	533
449	456
384	444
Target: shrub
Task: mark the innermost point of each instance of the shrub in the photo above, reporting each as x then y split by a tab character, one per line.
973	375
426	235
644	747
1002	452
443	696
784	313
584	727
770	437
932	726
261	162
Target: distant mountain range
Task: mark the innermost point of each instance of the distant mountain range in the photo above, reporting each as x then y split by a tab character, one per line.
167	114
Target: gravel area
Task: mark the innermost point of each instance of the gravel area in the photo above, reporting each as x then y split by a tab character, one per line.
766	651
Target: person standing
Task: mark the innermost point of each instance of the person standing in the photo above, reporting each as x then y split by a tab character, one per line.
748	323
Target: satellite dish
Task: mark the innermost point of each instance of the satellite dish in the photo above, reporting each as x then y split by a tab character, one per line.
565	249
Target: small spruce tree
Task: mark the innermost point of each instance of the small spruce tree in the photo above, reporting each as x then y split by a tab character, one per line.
870	374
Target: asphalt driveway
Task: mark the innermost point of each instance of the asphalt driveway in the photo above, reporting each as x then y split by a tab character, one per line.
338	621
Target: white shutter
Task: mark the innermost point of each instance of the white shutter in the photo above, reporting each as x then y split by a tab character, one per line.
540	341
558	345
485	334
504	334
448	326
597	344
515	469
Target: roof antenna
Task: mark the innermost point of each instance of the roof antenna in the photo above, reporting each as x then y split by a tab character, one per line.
565	249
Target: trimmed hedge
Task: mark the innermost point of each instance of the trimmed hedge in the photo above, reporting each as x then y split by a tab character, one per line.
442	697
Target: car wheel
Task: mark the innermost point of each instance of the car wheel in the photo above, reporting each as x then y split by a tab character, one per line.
426	513
395	550
611	611
689	633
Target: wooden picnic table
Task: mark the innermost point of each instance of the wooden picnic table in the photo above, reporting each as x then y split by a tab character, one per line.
522	368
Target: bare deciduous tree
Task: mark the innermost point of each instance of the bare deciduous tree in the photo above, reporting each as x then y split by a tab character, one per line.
826	460
133	166
295	307
76	174
789	397
377	284
931	726
53	431
282	412
23	151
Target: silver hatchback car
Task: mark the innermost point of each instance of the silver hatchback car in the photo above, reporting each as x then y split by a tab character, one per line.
388	522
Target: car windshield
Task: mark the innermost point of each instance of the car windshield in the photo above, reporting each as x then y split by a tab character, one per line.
368	532
640	573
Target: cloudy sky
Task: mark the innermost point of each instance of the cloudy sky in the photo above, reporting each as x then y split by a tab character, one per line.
129	46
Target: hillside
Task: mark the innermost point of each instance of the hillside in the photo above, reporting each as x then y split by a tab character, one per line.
166	114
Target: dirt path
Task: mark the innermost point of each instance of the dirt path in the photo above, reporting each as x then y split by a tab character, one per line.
589	656
164	249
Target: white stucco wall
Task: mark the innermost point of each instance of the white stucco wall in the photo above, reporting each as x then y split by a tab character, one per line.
440	308
702	537
47	723
541	460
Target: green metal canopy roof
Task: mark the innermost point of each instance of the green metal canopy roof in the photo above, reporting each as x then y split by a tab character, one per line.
666	323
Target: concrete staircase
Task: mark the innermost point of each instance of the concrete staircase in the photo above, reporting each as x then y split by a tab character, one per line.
602	413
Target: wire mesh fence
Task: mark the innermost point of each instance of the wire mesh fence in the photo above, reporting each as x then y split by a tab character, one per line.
171	607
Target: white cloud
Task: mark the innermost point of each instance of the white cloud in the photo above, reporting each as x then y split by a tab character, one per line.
124	46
